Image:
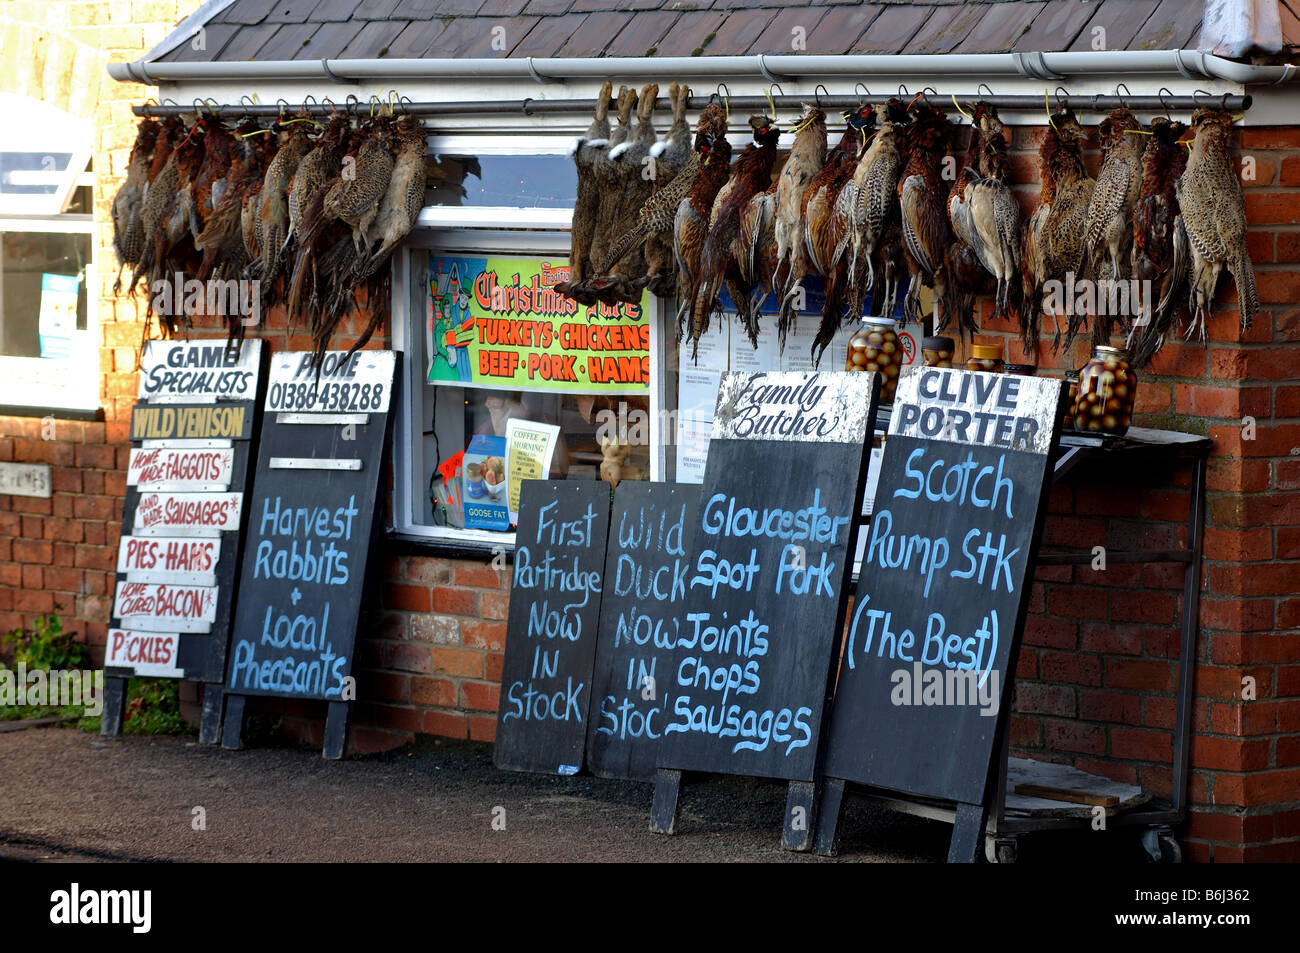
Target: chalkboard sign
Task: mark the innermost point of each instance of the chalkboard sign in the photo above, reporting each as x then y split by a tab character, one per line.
647	567
311	523
767	587
178	555
555	595
944	583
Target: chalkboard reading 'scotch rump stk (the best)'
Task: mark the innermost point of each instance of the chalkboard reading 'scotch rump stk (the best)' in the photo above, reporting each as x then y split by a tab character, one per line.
187	481
647	566
943	589
767	586
310	528
555	597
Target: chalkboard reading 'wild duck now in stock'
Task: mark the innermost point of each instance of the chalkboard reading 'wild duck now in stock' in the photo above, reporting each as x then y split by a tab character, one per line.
311	524
555	594
767	590
187	479
942	592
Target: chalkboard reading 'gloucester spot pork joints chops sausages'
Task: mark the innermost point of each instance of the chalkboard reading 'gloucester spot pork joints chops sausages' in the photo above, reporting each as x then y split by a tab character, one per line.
767	587
555	596
647	566
943	588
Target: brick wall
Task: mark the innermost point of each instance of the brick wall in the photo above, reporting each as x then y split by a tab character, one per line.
1095	678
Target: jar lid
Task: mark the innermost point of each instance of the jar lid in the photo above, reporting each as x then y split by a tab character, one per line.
938	344
986	352
1025	370
1106	349
881	322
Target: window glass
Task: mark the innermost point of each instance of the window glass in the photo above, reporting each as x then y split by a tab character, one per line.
475	181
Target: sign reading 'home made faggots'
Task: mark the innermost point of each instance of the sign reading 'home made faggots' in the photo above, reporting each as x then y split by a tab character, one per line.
770	551
186	480
944	583
310	525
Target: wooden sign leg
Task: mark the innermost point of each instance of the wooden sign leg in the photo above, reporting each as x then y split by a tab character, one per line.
967	834
663	813
336	730
828	817
232	727
114	713
210	720
800	815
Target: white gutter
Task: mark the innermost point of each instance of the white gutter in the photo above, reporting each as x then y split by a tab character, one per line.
1192	64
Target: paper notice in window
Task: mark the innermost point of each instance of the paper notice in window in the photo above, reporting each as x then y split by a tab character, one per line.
529	447
697	397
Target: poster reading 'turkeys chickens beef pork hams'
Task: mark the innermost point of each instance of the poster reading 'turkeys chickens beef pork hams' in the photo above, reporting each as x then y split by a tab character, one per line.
499	322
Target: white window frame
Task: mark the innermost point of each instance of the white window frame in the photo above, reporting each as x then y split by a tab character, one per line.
494	241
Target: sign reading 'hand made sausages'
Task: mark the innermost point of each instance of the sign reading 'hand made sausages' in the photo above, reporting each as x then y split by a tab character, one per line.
944	582
767	584
555	595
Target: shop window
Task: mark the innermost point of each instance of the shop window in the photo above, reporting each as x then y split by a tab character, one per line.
48	338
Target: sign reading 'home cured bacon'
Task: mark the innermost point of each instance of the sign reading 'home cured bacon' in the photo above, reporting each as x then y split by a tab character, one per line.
182	608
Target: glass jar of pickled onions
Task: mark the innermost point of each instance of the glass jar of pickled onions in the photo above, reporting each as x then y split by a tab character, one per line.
938	351
1107	391
1072	388
1020	370
985	357
875	347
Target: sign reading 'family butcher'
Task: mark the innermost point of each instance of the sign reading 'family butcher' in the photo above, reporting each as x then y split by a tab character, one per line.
944	583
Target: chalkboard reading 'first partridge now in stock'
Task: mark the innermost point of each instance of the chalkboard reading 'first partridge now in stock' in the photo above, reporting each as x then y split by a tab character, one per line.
310	531
942	592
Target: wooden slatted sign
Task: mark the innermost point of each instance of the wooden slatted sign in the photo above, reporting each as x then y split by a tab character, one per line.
311	524
187	478
942	592
768	585
555	594
647	566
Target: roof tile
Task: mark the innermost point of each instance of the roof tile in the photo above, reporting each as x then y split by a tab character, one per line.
354	9
477	38
944	28
1120	20
548	35
329	41
416	39
999	27
789	31
215	38
689	32
639	5
501	8
593	33
291	11
374	40
890	32
286	41
548	7
1172	24
840	28
642	34
738	32
1056	26
238	12
417	9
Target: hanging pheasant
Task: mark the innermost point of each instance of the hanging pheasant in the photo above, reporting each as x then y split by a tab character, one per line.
806	159
1214	214
1109	232
922	196
1160	252
691	223
128	233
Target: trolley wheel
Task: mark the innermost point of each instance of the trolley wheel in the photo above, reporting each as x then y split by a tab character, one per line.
1162	846
1001	850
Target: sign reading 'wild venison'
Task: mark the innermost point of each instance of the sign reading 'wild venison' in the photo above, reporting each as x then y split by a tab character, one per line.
770	560
555	595
944	583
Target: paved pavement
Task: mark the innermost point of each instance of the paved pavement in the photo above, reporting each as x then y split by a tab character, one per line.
66	795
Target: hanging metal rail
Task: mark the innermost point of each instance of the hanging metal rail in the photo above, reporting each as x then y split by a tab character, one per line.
538	107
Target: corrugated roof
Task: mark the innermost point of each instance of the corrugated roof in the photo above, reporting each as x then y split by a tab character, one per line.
348	29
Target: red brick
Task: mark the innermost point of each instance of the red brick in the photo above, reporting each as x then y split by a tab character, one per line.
1159	712
438	692
1108	638
1070	667
1286	475
1236	615
1111	707
480	576
493	663
1050	632
1137	745
1073	736
446	724
484	635
455	601
1139	674
38	551
1265	579
1237	545
1237	476
408	657
1025	731
34	601
1178	360
1076	602
494	605
1290	171
480	696
1268	787
387	686
1272	208
483	728
462	663
406	598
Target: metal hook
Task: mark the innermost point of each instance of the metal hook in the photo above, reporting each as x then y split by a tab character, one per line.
1123	101
524	105
1165	105
864	88
925	93
1198	92
983	86
1061	101
903	91
724	93
351	103
817	99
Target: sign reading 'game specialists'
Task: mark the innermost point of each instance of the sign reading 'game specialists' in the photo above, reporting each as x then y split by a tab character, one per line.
197	370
